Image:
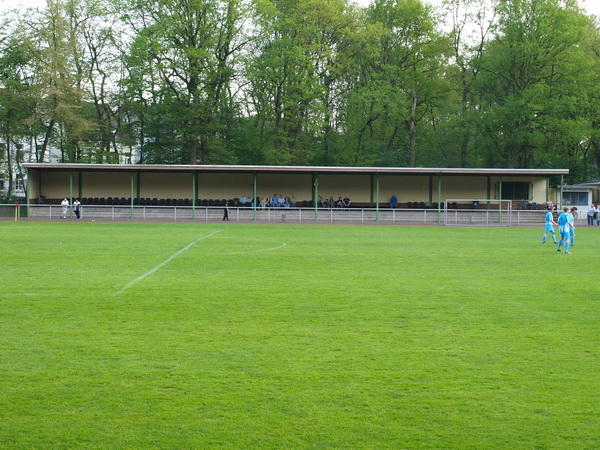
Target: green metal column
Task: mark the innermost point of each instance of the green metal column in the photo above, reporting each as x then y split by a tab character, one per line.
377	198
439	198
254	202
194	193
500	198
132	191
70	192
28	192
561	193
489	191
316	195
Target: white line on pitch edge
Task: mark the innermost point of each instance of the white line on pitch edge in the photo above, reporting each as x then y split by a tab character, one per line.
170	258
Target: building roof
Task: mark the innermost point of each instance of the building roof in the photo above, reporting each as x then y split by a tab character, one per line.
292	169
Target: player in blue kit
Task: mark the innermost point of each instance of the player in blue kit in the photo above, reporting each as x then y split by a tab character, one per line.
572	222
550	223
564	227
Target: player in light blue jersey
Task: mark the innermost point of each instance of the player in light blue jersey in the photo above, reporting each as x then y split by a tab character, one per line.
572	222
564	227
550	223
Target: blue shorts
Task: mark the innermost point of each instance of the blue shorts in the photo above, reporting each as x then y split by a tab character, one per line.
549	228
565	232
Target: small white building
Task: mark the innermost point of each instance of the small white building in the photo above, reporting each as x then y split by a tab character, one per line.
581	195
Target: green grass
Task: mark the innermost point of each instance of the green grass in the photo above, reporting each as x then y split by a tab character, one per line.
344	337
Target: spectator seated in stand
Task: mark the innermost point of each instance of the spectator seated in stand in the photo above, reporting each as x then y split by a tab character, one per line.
346	202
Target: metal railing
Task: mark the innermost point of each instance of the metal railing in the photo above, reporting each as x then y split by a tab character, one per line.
208	214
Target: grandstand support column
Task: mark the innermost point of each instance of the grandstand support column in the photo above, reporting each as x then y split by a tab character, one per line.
194	193
489	191
28	192
132	192
254	202
560	205
500	197
439	198
70	192
377	198
316	195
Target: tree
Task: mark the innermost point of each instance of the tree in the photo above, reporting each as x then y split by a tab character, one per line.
399	85
191	45
534	83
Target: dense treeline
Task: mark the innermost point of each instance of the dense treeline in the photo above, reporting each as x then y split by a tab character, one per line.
477	83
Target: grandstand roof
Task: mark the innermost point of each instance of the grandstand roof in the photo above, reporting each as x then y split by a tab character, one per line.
292	169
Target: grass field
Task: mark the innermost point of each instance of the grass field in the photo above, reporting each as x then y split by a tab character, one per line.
246	336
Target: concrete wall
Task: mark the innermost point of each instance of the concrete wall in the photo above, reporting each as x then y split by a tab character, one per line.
165	185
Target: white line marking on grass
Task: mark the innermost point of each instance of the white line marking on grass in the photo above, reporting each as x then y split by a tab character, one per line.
282	244
170	258
29	294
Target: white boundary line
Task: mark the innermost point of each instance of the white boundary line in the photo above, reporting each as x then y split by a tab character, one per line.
31	294
282	244
170	258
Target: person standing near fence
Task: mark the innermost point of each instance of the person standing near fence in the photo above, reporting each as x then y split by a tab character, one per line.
591	213
64	208
226	212
77	208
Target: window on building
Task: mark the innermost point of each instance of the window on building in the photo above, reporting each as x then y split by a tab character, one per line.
575	198
515	190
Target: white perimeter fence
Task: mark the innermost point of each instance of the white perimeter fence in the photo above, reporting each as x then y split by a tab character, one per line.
202	214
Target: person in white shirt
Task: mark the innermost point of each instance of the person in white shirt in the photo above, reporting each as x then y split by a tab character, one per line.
65	208
590	214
